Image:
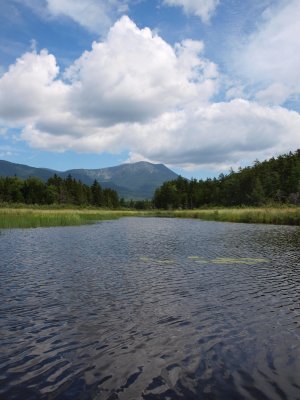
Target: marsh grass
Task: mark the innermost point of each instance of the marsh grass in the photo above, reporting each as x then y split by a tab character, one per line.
41	217
34	218
266	215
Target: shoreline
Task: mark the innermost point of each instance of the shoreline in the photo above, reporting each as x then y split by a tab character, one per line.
36	217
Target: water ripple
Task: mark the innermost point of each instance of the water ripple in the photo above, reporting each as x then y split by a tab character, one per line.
150	309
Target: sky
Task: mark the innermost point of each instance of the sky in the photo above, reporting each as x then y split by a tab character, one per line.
199	85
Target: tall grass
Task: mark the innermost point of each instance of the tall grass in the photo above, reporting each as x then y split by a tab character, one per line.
34	218
266	215
40	217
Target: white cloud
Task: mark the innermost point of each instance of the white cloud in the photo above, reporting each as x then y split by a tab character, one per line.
271	57
274	94
201	8
135	75
219	133
135	92
228	132
95	15
28	89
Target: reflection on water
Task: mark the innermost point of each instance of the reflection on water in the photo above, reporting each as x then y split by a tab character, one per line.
150	309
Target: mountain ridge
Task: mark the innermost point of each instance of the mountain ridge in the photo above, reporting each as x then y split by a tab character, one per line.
131	180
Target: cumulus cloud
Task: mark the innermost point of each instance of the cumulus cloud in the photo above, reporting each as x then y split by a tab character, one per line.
201	8
133	91
29	87
135	75
270	57
95	15
219	133
216	134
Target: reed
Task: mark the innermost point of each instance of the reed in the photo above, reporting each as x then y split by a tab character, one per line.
41	217
265	215
34	218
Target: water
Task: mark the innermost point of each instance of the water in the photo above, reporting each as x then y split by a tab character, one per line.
150	309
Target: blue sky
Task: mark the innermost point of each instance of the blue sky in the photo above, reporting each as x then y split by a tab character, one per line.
199	85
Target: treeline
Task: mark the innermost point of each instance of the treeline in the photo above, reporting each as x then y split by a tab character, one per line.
274	181
56	191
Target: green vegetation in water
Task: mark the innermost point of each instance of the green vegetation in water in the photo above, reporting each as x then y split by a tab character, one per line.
194	257
243	260
156	261
202	260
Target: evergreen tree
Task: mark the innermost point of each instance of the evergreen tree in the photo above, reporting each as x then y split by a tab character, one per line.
275	180
97	194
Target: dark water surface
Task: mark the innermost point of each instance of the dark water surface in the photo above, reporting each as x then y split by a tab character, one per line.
150	309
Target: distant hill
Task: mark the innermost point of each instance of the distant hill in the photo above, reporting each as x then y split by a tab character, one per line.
131	181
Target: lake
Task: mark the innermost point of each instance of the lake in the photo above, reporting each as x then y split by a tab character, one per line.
150	308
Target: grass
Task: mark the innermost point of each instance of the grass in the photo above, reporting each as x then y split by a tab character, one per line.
255	215
35	218
40	217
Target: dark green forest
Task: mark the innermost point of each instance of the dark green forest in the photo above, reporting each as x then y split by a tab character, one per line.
276	181
56	191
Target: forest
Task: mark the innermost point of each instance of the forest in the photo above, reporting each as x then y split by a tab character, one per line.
276	181
56	191
271	182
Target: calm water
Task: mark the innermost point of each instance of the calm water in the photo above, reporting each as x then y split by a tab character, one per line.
150	309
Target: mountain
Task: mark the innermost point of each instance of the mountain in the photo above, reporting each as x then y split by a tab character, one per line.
131	181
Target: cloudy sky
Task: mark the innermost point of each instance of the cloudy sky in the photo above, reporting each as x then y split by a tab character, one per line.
199	85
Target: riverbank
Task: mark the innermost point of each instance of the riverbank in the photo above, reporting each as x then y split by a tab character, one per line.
41	217
35	217
255	215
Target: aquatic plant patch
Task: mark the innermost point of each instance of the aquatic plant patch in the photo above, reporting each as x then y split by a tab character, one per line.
202	260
